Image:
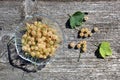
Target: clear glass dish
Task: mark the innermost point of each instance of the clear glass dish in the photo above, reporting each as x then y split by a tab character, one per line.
20	30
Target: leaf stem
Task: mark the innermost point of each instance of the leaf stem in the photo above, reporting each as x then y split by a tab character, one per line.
97	44
69	15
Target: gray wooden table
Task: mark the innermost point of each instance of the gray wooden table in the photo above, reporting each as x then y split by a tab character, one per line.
104	14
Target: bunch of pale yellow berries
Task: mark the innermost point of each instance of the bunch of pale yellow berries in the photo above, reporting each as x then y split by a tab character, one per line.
40	40
84	32
81	45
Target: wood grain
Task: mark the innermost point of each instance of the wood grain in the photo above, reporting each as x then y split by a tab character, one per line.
64	66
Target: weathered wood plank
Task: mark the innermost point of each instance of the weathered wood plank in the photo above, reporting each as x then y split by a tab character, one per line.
105	15
64	66
10	13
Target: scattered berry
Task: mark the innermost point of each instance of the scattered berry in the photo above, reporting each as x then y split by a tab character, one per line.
84	45
95	29
84	49
86	18
78	46
86	29
72	44
86	35
84	42
81	35
82	30
90	34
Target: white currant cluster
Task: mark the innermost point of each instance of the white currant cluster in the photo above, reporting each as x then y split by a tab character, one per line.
81	45
40	40
84	32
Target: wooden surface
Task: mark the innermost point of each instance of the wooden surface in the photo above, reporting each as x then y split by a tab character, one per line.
64	66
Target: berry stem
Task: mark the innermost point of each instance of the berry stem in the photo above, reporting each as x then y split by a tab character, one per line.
79	55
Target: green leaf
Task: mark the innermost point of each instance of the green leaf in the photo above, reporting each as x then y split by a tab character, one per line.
105	49
76	19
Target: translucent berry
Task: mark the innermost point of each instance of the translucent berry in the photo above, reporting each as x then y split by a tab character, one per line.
86	18
90	34
78	46
95	29
84	49
84	42
82	30
33	54
72	44
81	34
84	45
86	29
86	35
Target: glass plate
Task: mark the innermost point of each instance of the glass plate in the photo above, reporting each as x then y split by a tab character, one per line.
20	30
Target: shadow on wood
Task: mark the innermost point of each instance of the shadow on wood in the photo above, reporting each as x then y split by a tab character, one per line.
67	24
19	63
97	54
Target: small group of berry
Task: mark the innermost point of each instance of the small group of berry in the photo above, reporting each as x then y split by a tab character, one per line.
81	45
85	32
